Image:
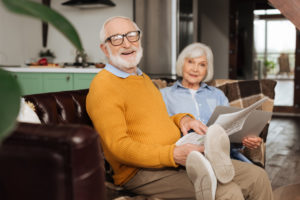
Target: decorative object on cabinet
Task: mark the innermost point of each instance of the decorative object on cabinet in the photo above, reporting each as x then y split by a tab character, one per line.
81	59
48	54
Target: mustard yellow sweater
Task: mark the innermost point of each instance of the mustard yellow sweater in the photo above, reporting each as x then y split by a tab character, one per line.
133	123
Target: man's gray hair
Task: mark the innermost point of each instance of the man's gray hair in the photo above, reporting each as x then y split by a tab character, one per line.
102	33
193	51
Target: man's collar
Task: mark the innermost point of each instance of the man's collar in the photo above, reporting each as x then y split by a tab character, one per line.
112	69
202	85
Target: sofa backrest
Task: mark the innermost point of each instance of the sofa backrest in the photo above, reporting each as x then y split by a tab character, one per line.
67	107
242	93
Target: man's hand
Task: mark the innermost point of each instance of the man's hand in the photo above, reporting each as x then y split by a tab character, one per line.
181	152
252	142
187	123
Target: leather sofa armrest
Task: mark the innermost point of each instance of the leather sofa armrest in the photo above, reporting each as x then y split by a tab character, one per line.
60	161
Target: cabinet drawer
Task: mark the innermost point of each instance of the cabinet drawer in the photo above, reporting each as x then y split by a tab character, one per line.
54	82
83	81
31	83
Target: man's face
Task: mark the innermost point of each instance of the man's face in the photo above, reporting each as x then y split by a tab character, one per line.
127	54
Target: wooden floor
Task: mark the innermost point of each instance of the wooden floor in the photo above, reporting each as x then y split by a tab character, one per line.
283	151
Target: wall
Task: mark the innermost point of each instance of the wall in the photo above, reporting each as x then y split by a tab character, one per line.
214	33
21	37
157	20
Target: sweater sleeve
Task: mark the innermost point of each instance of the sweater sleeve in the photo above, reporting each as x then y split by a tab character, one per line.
106	109
177	118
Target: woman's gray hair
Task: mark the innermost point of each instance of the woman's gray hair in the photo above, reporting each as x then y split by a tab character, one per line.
193	51
102	33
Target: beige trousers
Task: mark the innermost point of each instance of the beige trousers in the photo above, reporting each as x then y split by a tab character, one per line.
250	182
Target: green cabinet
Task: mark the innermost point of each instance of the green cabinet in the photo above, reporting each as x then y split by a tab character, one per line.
31	83
57	82
82	81
37	82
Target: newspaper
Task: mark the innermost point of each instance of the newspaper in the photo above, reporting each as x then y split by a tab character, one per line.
237	122
233	122
192	138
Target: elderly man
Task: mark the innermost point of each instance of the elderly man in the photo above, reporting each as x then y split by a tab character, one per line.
138	136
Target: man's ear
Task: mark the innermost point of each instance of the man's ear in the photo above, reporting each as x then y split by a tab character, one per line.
104	49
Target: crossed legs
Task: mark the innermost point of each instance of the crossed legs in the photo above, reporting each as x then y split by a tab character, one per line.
250	182
247	181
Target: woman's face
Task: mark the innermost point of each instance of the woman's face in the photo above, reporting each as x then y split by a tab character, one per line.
194	71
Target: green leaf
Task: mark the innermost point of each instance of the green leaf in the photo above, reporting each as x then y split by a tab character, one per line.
46	14
10	102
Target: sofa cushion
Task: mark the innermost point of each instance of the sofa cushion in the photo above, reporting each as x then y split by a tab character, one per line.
27	113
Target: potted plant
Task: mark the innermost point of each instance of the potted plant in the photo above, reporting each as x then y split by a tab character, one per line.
49	55
10	102
268	66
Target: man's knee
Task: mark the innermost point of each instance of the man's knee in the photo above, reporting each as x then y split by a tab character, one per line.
229	191
259	176
262	179
253	181
261	186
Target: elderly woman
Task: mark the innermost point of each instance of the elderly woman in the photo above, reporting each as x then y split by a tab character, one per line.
190	94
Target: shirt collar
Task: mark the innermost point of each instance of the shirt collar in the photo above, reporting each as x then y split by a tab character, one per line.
119	73
178	84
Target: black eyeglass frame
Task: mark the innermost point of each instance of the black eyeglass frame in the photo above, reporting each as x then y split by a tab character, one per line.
123	35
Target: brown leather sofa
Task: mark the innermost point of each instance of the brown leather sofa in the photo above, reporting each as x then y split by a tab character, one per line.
61	158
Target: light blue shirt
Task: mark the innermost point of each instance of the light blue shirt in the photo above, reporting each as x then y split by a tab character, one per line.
119	73
179	99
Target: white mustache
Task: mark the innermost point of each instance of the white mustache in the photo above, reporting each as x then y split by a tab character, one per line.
123	50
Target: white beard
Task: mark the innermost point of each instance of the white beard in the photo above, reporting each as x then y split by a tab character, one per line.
119	62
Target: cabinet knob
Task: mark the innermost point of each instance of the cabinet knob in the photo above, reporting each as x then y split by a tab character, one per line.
68	78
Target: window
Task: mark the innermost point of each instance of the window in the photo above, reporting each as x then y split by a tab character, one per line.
274	46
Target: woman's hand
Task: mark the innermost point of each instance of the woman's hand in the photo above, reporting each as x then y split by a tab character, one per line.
252	142
187	123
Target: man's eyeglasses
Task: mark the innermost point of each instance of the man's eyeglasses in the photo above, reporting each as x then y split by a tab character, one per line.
118	39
